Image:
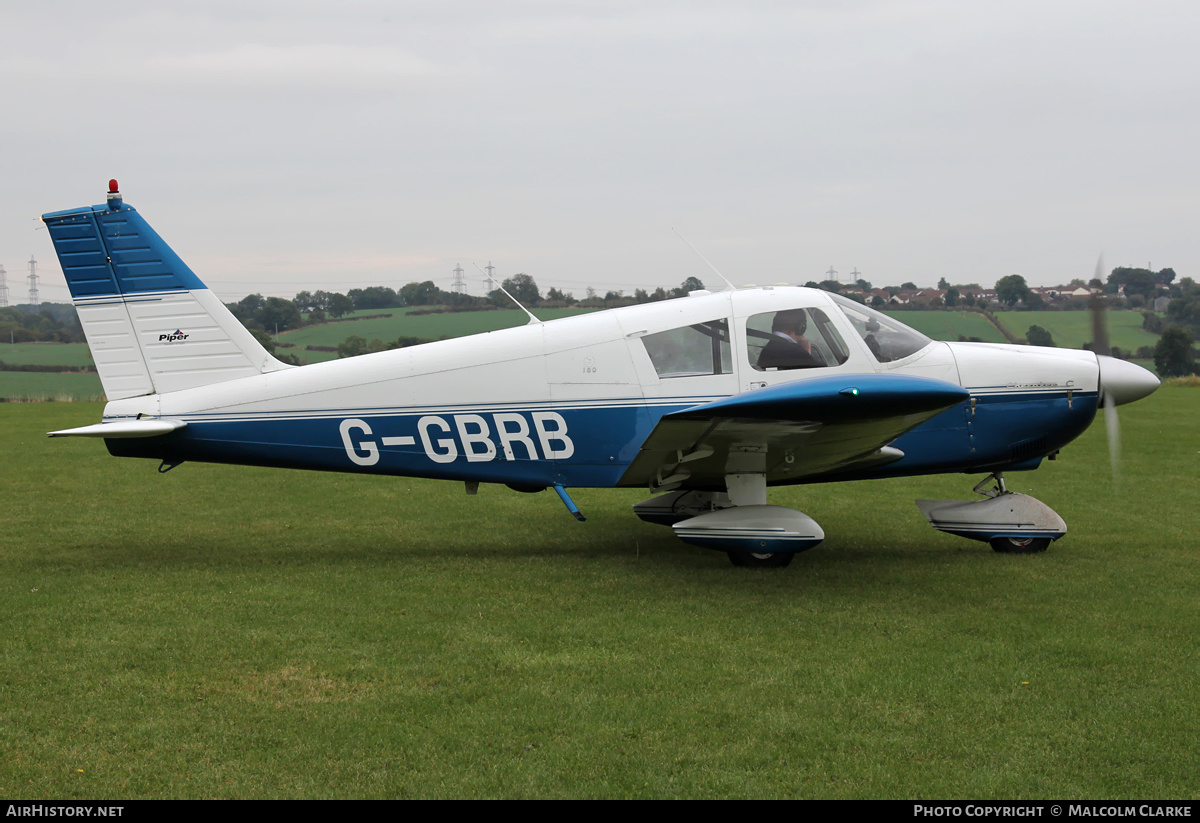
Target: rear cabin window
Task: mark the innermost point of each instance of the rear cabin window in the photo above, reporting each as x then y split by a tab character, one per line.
691	351
793	339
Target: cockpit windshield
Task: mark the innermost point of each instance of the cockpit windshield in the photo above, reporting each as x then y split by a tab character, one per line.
887	339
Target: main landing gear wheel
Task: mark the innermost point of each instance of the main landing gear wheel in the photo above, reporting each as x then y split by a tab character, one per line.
761	560
1020	545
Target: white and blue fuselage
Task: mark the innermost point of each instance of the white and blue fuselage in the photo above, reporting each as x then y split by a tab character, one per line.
721	394
570	402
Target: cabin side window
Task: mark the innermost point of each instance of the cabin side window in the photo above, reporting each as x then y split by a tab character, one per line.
793	339
690	351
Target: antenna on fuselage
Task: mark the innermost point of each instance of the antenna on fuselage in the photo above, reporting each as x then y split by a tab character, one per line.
492	280
705	259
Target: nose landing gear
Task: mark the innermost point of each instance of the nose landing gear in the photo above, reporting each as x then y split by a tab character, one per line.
1012	523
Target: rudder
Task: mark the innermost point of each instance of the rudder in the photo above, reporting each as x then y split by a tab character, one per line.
151	324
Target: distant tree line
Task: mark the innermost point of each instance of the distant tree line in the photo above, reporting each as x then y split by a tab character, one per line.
1141	282
277	314
269	316
1174	355
1184	308
44	323
354	345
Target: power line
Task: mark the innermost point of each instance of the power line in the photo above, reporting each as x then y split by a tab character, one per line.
34	298
289	287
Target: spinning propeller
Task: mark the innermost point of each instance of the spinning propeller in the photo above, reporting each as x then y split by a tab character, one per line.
1120	381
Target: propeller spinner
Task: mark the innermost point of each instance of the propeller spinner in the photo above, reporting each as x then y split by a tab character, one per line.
1123	382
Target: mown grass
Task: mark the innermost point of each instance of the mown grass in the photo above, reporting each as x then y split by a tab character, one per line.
236	632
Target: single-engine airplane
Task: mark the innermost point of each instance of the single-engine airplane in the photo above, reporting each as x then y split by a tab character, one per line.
706	400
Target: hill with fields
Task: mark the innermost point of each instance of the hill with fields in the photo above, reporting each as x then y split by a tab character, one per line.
397	323
951	325
1070	329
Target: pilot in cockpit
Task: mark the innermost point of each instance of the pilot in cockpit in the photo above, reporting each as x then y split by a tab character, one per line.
788	348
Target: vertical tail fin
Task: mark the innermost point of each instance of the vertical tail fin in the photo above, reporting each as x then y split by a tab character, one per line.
151	324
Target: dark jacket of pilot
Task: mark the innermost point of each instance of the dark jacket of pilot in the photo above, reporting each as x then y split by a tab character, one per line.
784	353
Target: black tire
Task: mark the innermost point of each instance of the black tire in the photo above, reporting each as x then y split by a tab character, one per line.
760	560
1020	545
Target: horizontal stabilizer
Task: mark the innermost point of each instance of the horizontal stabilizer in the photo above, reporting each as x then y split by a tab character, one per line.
125	428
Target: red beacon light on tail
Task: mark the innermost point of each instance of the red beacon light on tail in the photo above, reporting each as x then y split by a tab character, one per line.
114	195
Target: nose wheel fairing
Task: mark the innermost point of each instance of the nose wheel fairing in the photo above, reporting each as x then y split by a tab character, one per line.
1010	521
1009	515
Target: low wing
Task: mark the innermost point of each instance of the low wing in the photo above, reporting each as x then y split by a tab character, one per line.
790	431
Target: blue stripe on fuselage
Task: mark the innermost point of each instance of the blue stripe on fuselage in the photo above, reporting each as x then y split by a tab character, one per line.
1002	431
582	446
572	446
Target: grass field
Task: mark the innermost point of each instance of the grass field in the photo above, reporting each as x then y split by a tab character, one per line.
940	325
387	329
50	386
1071	329
236	632
937	324
432	326
46	354
950	325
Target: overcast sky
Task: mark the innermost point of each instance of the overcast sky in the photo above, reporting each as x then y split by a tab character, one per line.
280	146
